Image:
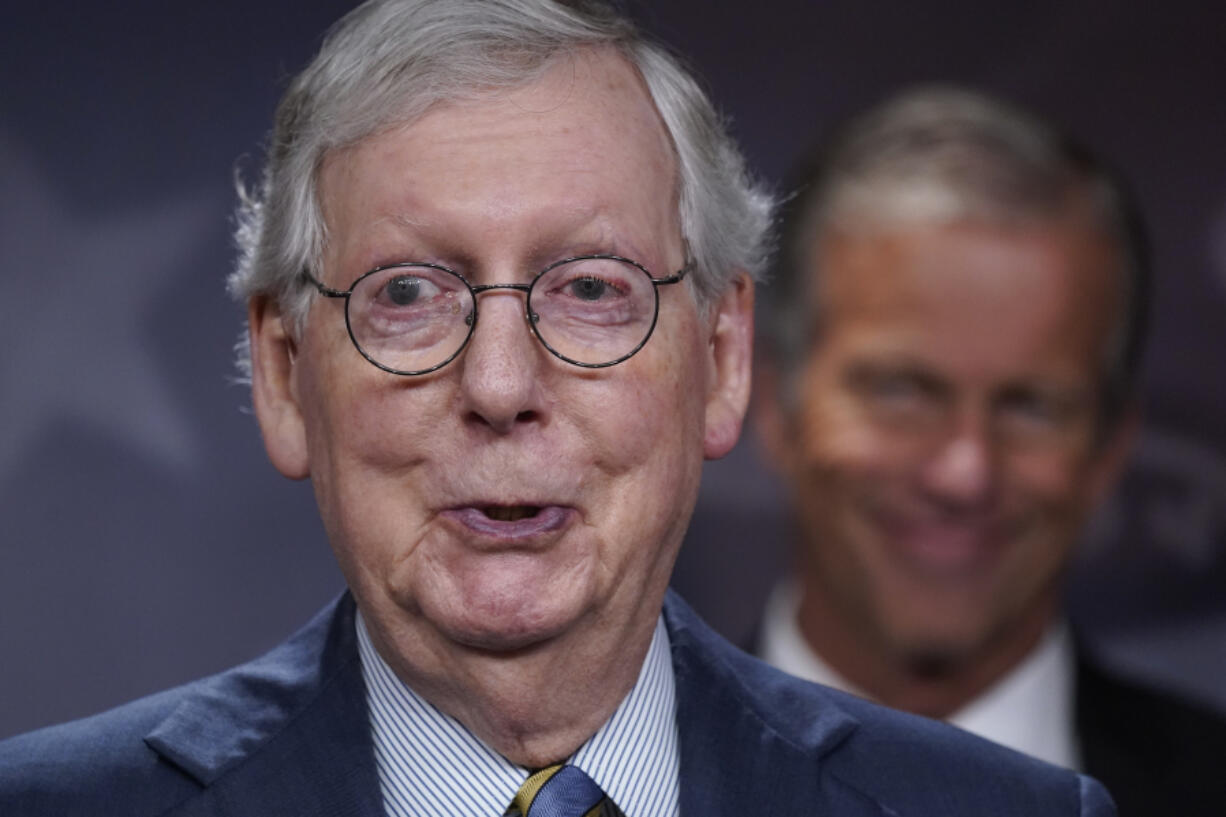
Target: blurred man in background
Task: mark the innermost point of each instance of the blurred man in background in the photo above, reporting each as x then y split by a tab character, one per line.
949	390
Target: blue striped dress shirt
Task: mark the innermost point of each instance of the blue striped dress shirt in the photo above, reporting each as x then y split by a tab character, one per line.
429	764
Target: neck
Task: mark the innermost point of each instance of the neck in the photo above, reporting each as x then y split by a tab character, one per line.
925	683
534	706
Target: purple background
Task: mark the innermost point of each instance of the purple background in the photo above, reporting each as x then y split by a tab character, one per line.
144	538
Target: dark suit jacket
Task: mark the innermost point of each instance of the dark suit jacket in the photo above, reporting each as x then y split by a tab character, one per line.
288	734
1156	753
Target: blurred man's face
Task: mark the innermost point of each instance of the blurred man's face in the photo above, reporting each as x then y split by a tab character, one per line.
509	500
943	450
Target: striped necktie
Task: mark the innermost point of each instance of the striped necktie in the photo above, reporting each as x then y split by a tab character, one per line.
561	791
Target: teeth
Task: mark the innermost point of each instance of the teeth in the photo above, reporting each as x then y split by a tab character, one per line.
510	514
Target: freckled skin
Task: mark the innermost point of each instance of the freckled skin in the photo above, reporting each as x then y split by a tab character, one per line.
497	188
945	452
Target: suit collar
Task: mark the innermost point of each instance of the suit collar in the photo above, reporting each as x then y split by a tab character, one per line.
288	734
749	734
288	731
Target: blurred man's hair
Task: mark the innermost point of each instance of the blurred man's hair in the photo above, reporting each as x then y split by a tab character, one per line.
939	154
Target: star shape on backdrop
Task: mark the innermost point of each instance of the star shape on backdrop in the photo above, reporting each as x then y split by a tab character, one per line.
78	288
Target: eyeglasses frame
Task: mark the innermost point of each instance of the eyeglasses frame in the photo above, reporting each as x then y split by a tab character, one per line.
476	289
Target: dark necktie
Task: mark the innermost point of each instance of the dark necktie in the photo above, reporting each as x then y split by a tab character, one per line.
561	791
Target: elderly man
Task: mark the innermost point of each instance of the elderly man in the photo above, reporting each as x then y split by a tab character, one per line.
500	308
955	334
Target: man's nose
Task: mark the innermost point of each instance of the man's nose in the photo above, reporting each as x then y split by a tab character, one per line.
500	366
961	469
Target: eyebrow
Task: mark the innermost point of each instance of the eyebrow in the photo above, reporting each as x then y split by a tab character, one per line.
861	372
589	232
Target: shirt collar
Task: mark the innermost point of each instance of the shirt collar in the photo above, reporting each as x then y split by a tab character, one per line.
1030	709
428	763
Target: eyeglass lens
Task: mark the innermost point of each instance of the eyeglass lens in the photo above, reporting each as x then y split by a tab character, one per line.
590	311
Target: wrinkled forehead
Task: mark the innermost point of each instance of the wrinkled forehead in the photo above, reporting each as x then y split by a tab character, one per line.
593	87
581	153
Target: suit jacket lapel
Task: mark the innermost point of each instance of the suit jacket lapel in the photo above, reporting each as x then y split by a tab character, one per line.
748	744
288	734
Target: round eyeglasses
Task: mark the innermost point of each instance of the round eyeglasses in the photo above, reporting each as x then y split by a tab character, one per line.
414	318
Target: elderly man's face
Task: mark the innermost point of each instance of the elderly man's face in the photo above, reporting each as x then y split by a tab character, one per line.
509	499
943	454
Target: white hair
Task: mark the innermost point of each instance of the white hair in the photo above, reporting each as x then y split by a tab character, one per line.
388	61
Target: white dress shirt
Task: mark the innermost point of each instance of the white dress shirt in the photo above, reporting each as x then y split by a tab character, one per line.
429	764
1030	709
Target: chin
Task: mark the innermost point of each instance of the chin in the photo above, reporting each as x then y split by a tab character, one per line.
935	661
508	621
937	648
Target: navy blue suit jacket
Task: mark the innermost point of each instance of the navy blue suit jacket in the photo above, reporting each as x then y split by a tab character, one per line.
288	734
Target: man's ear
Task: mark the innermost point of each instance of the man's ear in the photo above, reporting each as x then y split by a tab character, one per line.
274	391
731	361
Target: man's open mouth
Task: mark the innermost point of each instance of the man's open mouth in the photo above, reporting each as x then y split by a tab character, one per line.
512	521
510	513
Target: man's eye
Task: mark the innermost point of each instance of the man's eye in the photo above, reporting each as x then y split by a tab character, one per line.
905	400
894	390
403	291
588	288
1033	408
892	387
406	290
